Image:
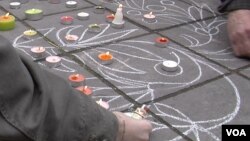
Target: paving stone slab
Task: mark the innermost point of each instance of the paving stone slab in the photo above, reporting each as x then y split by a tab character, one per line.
100	90
80	28
47	7
137	70
168	12
200	112
208	38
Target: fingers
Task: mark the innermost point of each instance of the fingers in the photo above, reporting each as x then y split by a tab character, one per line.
239	32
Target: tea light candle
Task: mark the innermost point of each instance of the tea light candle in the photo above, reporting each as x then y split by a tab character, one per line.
15	5
67	20
169	65
53	61
54	1
77	80
83	16
94	28
161	42
34	14
105	58
38	52
71	4
71	38
29	34
110	18
139	113
7	22
149	17
102	103
85	90
99	10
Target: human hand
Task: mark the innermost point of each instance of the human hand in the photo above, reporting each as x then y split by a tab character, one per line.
239	32
132	129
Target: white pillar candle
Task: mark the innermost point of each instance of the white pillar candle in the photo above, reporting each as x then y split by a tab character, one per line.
15	5
71	4
53	61
169	65
83	16
118	21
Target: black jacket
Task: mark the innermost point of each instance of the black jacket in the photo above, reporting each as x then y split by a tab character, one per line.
230	5
36	105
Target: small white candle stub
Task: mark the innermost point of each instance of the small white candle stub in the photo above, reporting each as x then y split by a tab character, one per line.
149	17
38	52
83	16
15	5
169	65
53	61
71	4
71	38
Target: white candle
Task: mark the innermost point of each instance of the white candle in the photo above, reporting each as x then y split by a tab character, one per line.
53	61
83	16
71	38
15	5
103	104
118	16
149	17
38	52
71	4
169	65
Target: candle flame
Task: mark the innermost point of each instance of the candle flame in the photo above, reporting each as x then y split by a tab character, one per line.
120	5
85	87
151	13
107	53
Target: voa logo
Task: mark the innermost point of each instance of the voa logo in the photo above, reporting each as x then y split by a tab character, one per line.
236	132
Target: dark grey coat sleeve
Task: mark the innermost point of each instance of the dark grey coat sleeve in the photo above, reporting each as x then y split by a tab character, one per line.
230	5
37	105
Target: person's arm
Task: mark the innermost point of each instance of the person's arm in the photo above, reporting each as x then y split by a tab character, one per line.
238	25
37	105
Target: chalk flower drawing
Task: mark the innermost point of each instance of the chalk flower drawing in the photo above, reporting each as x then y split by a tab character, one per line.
133	80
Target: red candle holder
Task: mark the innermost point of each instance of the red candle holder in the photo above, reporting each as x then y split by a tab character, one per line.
85	90
67	20
110	18
161	42
77	80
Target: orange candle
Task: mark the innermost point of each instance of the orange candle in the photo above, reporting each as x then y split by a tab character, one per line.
105	58
77	80
7	22
85	90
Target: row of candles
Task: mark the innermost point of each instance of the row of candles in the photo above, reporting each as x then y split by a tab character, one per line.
78	82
